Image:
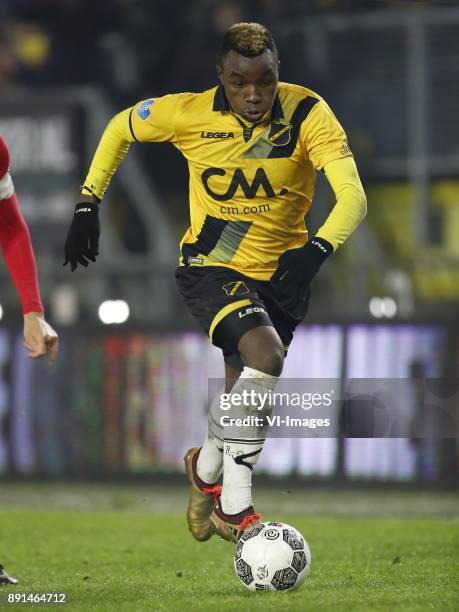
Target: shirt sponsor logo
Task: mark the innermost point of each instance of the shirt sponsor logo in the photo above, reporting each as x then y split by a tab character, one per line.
246	210
218	135
239	180
144	110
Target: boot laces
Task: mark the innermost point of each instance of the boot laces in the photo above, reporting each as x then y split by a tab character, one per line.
250	518
216	491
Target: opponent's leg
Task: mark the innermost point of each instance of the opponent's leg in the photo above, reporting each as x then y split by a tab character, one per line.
262	353
6	578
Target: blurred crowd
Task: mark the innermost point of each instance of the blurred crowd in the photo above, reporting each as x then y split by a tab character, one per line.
132	45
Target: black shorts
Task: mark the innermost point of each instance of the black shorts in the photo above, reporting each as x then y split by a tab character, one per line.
227	304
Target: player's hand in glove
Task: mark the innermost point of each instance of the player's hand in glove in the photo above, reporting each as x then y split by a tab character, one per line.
83	238
296	270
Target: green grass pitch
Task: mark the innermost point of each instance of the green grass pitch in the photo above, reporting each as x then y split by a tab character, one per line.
120	551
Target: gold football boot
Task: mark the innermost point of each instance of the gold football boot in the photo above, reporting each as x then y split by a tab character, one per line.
230	527
202	500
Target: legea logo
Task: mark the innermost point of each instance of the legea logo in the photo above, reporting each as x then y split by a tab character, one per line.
251	310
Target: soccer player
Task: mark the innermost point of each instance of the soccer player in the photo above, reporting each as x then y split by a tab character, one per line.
253	145
39	337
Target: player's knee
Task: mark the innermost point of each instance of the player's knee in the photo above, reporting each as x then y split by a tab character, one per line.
262	350
271	362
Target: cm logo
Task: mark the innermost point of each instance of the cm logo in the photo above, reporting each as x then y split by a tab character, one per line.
239	180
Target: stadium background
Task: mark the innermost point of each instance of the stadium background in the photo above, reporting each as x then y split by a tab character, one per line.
128	398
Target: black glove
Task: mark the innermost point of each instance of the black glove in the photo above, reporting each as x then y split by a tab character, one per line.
83	238
297	268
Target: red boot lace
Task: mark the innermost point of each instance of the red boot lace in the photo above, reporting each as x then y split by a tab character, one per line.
250	518
215	491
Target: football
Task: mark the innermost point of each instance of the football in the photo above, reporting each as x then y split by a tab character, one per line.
272	557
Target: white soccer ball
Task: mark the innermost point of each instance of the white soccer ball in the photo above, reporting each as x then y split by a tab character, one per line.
272	557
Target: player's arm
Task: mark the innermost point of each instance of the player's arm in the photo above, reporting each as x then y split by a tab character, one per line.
17	249
351	203
326	145
152	120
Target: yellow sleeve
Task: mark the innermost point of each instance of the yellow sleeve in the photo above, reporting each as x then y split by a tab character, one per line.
154	120
112	149
351	203
151	120
323	137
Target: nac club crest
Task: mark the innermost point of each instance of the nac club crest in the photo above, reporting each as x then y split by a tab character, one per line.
235	288
280	134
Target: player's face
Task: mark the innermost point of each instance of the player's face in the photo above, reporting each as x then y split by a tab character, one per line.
250	83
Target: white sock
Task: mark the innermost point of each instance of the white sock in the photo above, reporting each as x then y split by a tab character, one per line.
237	477
241	451
210	461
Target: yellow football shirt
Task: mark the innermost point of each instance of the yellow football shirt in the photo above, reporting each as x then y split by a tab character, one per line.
250	185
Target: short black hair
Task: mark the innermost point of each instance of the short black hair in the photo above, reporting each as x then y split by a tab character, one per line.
247	39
